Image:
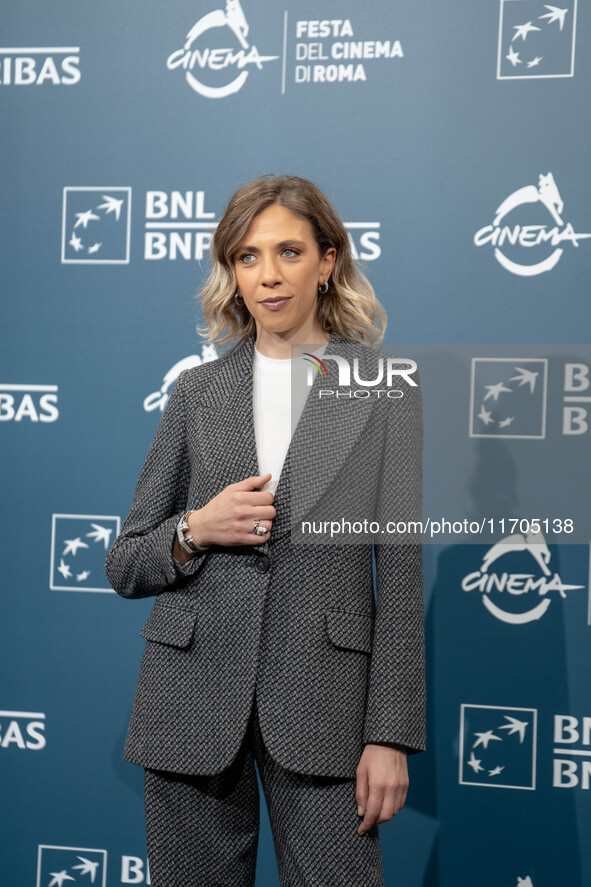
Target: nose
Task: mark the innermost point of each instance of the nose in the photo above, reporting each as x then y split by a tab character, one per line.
270	274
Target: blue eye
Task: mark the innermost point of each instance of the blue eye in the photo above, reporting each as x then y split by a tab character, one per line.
246	257
293	252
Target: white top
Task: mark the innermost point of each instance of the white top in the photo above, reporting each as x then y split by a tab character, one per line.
276	412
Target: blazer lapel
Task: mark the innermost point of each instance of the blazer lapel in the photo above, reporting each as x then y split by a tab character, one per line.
226	434
323	438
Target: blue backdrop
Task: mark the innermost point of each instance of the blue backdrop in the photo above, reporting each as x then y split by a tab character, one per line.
453	140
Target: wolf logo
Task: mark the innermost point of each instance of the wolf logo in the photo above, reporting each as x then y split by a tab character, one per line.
546	193
157	399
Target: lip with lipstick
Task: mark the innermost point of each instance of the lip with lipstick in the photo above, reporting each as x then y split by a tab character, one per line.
277	303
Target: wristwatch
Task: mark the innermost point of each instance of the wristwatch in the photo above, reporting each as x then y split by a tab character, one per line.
186	540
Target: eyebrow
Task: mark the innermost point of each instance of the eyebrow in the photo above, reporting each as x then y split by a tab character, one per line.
283	244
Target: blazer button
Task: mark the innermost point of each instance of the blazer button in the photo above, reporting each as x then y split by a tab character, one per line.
262	563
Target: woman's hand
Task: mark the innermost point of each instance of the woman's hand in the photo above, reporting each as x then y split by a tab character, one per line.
382	783
228	518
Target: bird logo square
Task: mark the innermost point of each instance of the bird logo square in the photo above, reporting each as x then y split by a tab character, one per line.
71	867
96	224
508	397
536	39
498	746
79	546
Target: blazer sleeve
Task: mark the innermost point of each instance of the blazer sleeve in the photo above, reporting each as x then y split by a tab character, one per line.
140	562
396	696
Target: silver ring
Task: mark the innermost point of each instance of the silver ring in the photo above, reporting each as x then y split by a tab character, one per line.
260	531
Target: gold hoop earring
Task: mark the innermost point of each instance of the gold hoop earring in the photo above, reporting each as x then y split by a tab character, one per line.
323	288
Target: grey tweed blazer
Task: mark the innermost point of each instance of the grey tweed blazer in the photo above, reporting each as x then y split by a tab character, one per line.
298	624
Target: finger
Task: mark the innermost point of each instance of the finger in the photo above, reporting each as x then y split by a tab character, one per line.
374	805
256	540
361	790
400	801
390	806
245	514
263	512
252	538
254	482
255	498
371	806
265	525
394	801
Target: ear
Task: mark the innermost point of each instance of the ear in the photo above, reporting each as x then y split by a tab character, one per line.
327	263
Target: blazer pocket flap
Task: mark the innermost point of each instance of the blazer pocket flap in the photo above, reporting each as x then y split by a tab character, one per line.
351	630
170	625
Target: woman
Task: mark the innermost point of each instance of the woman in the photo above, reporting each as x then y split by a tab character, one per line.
260	649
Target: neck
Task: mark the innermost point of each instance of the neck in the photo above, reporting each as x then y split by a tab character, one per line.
278	345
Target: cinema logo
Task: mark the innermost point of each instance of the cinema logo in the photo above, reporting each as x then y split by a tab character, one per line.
529	577
157	400
510	240
201	61
29	403
36	66
387	371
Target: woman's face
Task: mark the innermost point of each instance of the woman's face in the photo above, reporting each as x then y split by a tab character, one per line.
279	269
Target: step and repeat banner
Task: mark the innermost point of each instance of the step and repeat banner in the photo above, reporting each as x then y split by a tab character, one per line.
453	141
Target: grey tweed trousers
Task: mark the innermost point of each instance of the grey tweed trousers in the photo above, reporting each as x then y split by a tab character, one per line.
202	831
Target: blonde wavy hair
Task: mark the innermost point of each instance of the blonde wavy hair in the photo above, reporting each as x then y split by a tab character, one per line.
349	308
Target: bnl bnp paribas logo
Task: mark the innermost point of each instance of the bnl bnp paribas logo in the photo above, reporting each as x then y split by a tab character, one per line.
536	39
28	403
521	230
212	68
23	730
71	867
59	866
39	66
509	398
498	746
79	545
96	227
